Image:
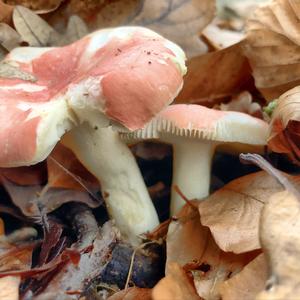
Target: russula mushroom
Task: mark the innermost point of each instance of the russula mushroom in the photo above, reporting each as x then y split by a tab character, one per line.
195	131
120	77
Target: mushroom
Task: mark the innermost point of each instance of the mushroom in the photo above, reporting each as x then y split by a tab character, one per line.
113	78
195	131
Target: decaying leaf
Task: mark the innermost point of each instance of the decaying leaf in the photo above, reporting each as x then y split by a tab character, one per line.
31	199
191	245
285	127
8	70
215	75
232	213
273	47
248	283
176	285
133	293
9	38
280	238
9	287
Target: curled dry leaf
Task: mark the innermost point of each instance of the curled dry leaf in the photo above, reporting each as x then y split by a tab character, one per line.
133	293
9	287
285	127
280	238
5	12
191	245
215	75
248	283
176	285
232	213
40	6
272	46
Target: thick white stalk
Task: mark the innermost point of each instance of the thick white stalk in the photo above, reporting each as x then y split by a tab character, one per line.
103	153
191	170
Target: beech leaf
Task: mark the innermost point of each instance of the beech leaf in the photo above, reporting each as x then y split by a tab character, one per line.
9	38
232	213
215	75
272	45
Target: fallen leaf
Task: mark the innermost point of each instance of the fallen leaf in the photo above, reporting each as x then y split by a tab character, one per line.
76	29
284	134
5	12
9	38
272	46
72	277
32	199
232	213
176	285
33	29
248	283
32	175
40	6
220	38
8	70
65	171
280	238
134	293
180	21
9	288
191	245
215	75
243	102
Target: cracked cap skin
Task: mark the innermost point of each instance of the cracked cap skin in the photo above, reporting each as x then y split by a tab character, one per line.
124	75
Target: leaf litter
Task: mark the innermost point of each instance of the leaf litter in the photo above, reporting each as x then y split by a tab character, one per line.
238	243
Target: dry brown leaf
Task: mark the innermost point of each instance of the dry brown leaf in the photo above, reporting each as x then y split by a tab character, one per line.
5	12
40	6
65	171
232	213
273	37
9	288
191	245
176	285
134	293
280	238
285	127
215	75
248	283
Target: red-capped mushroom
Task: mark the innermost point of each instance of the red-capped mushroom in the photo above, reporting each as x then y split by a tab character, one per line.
121	77
195	131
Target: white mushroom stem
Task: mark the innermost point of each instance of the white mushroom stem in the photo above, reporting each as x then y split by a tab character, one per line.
103	153
191	170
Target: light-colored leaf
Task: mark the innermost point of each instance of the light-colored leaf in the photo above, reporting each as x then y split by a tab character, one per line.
273	39
280	238
215	75
33	29
9	38
76	29
285	127
248	283
191	245
9	70
232	213
176	286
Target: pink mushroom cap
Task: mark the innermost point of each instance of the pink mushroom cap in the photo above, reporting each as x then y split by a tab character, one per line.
127	74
